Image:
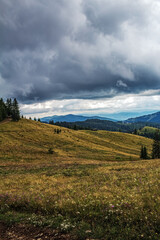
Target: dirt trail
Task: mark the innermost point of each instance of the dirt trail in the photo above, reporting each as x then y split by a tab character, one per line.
23	232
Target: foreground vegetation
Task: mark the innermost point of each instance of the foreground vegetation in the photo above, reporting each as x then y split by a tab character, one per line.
93	186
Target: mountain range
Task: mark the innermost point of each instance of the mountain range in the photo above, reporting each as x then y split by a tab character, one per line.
72	118
150	118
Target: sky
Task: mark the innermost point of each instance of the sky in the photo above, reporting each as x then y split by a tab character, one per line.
80	56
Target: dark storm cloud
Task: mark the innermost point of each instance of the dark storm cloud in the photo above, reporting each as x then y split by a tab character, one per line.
78	49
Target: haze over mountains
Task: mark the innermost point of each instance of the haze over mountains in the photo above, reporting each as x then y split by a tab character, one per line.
150	118
72	118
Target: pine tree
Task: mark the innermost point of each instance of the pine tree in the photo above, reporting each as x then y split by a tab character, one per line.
135	131
143	153
9	106
15	110
156	145
3	113
75	127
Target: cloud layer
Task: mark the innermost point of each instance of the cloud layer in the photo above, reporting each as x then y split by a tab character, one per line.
78	49
119	107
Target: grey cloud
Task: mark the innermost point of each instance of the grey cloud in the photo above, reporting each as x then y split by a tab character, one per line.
77	49
108	16
29	24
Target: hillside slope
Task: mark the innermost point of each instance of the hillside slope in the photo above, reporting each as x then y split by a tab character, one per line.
28	140
83	191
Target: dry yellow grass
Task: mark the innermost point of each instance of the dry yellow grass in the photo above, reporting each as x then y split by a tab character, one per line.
94	185
28	140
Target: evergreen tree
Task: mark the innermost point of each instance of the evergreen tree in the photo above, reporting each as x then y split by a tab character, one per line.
3	113
143	153
15	110
135	131
9	106
156	145
75	127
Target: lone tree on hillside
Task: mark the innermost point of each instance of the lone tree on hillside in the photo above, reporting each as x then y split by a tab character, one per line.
156	145
143	154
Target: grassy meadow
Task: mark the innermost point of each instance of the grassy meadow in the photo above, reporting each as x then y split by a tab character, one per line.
93	186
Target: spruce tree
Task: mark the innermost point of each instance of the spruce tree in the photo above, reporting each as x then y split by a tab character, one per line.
135	131
156	145
9	106
15	110
3	112
143	153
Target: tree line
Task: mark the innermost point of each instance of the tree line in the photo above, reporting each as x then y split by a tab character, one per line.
10	108
93	124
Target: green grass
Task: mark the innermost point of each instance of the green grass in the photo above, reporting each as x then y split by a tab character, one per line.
93	186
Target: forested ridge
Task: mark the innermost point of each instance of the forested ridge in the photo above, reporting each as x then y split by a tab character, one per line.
10	108
96	124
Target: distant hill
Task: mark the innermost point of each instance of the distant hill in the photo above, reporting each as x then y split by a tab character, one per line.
72	118
147	131
150	118
97	124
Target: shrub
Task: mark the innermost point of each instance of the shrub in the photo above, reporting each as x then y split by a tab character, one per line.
50	151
